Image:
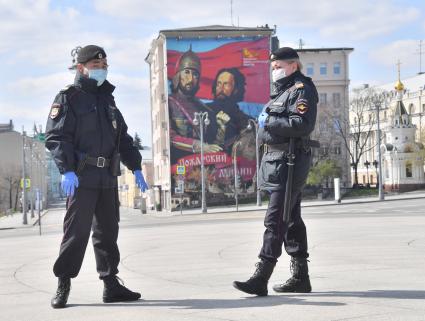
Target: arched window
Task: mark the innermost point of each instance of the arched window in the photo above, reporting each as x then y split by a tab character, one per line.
409	169
387	170
411	109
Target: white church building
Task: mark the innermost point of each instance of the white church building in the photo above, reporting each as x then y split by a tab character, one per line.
403	157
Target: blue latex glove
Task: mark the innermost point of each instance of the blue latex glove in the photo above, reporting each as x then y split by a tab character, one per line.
262	119
69	183
140	181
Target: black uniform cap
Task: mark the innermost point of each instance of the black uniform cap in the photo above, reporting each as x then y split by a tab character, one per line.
284	53
90	52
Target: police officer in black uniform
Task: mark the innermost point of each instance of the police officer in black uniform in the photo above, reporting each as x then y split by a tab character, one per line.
291	112
87	136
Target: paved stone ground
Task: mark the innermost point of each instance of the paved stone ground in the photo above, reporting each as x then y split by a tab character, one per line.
367	263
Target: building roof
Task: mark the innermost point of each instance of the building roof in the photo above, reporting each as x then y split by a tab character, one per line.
218	28
413	83
324	49
6	127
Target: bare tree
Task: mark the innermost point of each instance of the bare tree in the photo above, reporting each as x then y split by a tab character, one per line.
357	131
325	134
10	181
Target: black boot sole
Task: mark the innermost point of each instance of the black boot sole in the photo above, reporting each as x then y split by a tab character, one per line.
58	306
301	290
113	300
238	286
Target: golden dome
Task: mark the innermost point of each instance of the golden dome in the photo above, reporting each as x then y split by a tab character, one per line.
399	86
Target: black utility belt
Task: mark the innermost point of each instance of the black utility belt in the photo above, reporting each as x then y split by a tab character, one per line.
100	162
285	146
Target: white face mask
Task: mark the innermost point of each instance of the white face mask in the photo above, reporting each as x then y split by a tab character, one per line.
278	74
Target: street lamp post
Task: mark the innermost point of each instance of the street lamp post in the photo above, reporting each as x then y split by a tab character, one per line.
367	164
375	164
24	185
380	191
253	124
235	169
200	119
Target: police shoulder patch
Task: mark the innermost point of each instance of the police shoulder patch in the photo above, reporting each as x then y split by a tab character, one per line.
55	110
302	106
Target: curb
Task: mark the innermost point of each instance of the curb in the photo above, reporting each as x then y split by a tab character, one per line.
264	207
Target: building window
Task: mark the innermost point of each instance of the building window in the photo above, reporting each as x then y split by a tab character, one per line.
387	170
336	97
337	68
310	69
323	68
337	150
323	98
409	169
324	151
423	108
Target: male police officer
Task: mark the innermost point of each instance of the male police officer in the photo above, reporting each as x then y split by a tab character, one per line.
291	114
86	133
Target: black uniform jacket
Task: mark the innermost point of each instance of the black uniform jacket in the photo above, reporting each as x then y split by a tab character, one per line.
84	121
291	113
292	110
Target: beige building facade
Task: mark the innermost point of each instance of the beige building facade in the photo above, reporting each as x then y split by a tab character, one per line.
11	160
128	192
329	69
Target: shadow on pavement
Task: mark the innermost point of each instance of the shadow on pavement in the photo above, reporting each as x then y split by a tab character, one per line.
249	302
378	294
269	301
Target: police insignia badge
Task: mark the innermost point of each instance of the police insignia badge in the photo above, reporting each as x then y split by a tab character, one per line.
55	111
299	85
302	106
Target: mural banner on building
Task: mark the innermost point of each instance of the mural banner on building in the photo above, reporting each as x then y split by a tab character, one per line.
227	80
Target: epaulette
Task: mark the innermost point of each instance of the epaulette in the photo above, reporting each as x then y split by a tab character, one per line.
69	91
66	88
299	85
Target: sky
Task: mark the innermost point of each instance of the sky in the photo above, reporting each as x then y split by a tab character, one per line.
37	37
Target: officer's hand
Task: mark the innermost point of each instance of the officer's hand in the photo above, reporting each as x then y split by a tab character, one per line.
140	181
262	119
69	183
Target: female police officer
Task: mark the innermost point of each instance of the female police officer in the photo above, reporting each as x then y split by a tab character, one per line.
291	113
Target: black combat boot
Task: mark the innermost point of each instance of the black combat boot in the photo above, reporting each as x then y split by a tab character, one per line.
257	283
300	281
62	293
114	291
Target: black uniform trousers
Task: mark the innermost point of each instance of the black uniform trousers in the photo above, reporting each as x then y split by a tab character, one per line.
90	209
292	234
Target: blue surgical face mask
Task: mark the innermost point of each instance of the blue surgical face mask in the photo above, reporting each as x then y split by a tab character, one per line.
98	74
